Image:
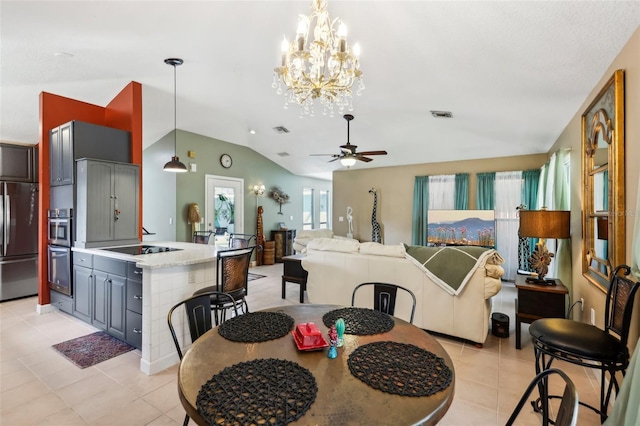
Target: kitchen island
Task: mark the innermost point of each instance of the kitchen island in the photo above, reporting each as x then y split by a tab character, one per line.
167	278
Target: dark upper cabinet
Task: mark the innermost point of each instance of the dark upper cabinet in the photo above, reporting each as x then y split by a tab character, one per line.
77	139
18	163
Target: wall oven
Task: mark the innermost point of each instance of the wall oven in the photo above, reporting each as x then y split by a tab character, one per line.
59	259
59	224
59	235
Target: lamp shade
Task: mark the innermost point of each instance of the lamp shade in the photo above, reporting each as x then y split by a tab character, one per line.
545	223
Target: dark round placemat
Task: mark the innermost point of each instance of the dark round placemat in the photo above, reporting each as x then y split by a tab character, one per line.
256	327
259	392
360	321
399	368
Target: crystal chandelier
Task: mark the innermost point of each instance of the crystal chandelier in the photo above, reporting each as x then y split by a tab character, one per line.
324	68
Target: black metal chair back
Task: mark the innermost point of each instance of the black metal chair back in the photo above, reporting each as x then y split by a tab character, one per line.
198	311
241	240
232	277
384	297
619	305
202	237
568	410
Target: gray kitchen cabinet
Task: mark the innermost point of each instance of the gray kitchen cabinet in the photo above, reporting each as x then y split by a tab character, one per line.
62	302
77	139
18	163
107	203
82	293
133	334
111	282
108	295
99	308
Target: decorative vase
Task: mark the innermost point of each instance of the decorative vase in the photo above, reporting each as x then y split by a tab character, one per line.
340	330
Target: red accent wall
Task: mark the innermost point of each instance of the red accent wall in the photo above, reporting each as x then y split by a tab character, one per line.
124	112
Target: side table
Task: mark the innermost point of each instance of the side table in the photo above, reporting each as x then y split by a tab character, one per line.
537	301
294	273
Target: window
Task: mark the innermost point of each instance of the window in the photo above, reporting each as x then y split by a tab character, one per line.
324	210
508	196
442	192
307	208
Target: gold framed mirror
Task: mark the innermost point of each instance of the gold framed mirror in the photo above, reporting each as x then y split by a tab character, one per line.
603	225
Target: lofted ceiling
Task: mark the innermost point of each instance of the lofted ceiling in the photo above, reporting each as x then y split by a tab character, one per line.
512	73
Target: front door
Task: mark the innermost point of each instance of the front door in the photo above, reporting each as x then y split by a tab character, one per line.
224	211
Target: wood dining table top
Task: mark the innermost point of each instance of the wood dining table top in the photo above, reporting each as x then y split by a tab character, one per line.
342	399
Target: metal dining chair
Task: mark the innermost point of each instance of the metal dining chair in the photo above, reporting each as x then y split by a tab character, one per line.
202	237
232	277
568	410
198	312
384	297
241	240
587	345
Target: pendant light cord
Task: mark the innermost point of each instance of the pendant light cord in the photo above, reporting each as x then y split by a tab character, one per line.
175	112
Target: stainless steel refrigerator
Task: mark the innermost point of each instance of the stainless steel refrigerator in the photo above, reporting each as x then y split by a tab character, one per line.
19	239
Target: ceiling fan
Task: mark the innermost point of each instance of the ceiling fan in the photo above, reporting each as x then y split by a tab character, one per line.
348	154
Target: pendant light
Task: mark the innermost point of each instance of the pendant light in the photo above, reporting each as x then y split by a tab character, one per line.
174	165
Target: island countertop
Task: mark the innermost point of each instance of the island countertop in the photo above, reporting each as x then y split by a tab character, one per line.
189	254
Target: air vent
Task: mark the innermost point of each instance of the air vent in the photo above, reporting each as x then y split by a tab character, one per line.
283	154
442	114
281	129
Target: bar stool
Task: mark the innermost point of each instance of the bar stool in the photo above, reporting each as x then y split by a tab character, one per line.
587	345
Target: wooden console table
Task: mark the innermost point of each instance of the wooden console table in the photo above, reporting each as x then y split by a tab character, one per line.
537	301
284	243
294	273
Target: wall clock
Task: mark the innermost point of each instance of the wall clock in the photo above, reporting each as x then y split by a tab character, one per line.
226	161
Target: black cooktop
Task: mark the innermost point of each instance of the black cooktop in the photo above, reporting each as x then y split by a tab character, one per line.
141	249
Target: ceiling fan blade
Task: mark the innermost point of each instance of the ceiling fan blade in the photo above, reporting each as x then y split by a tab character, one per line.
323	155
335	159
361	158
373	153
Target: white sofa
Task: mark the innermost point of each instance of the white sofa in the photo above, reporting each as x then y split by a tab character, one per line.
337	266
304	236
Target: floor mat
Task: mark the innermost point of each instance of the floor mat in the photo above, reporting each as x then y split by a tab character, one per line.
92	349
255	276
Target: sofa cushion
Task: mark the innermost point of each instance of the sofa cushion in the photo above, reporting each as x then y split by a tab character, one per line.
378	249
333	244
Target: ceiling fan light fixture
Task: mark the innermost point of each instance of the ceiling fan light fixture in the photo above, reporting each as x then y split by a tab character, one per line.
348	161
174	165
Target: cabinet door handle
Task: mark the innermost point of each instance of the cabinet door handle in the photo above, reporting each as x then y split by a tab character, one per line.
137	297
135	330
137	272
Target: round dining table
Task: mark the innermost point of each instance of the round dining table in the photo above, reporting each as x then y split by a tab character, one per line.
341	398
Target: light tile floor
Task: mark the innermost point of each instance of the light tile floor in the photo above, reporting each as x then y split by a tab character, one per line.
39	387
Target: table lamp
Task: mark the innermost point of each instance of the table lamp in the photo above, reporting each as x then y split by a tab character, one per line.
543	224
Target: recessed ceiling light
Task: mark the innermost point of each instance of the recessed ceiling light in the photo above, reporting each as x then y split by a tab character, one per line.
252	131
441	114
63	55
283	154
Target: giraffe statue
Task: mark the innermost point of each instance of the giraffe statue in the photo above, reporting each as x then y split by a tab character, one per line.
375	226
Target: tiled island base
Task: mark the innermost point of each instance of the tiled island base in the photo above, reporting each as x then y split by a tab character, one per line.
161	289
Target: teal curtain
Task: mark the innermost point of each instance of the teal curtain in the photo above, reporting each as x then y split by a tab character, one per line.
485	195
462	191
419	231
530	179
